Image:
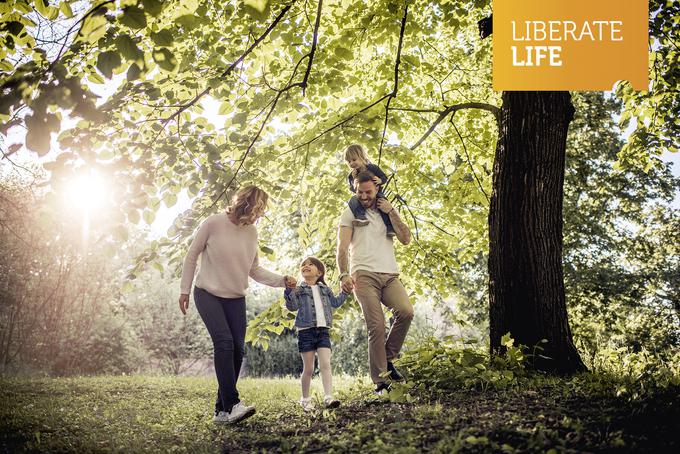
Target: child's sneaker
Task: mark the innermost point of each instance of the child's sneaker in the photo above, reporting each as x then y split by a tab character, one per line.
360	222
307	404
331	402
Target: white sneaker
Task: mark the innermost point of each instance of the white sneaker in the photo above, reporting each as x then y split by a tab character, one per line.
221	417
331	402
238	412
360	222
307	404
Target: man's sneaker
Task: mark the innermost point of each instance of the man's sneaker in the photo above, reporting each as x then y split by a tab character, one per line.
331	402
360	222
384	386
238	412
394	373
307	404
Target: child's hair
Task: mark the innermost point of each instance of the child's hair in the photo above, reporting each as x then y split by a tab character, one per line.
356	151
319	265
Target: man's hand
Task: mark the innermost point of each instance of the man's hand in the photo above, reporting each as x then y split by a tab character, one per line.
347	284
384	205
184	303
290	281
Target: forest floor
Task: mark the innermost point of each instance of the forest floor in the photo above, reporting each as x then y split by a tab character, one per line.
173	414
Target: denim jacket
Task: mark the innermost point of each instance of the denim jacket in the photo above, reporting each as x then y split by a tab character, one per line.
301	300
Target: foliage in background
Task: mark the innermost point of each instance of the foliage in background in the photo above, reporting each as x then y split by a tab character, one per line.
57	294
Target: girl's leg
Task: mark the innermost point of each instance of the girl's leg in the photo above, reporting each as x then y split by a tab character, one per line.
325	366
307	371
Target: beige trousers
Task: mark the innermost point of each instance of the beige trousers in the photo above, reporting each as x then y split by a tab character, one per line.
370	290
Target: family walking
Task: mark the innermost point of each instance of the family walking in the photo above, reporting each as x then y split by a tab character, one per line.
228	243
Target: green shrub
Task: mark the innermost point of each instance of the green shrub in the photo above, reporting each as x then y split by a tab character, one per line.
449	363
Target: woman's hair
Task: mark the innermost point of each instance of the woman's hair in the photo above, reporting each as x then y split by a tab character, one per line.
356	151
319	265
248	203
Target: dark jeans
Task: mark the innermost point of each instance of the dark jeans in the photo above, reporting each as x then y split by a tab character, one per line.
359	211
225	319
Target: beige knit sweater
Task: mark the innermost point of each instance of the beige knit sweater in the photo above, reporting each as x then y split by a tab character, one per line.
228	256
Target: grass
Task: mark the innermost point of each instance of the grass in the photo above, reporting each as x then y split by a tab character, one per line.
173	414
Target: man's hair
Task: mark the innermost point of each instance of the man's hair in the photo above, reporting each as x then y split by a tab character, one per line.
364	176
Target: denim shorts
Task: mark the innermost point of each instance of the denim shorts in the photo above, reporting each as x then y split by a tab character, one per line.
312	338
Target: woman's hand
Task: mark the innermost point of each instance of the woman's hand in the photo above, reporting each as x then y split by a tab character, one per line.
377	181
290	281
184	303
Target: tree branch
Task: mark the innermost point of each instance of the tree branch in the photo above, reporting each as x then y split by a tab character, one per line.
234	64
452	110
467	156
396	80
79	22
336	125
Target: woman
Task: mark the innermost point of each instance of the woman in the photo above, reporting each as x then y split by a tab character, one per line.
228	244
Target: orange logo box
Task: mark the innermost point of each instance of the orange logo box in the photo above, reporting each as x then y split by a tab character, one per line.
575	45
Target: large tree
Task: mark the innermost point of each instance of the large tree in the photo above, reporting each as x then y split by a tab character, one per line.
526	281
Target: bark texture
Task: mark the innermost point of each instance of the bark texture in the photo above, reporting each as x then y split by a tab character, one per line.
526	282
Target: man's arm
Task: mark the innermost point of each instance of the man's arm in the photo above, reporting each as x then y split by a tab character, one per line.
342	256
400	228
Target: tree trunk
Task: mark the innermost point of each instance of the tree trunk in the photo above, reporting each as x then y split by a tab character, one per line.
526	283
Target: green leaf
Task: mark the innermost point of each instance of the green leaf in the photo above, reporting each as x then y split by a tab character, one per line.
128	48
257	9
507	340
133	17
95	78
107	62
37	138
165	59
133	72
14	27
153	7
162	38
65	9
344	53
94	27
188	21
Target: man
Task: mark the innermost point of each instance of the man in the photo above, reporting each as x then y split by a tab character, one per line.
375	276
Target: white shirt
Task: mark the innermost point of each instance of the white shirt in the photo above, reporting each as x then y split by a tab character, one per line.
318	307
370	248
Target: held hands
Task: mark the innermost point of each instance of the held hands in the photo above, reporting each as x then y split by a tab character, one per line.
184	303
384	205
290	281
347	284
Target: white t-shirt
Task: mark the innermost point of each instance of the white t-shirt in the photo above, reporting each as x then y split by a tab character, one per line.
370	248
318	307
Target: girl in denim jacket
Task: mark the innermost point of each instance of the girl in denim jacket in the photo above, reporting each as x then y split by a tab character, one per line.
313	300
